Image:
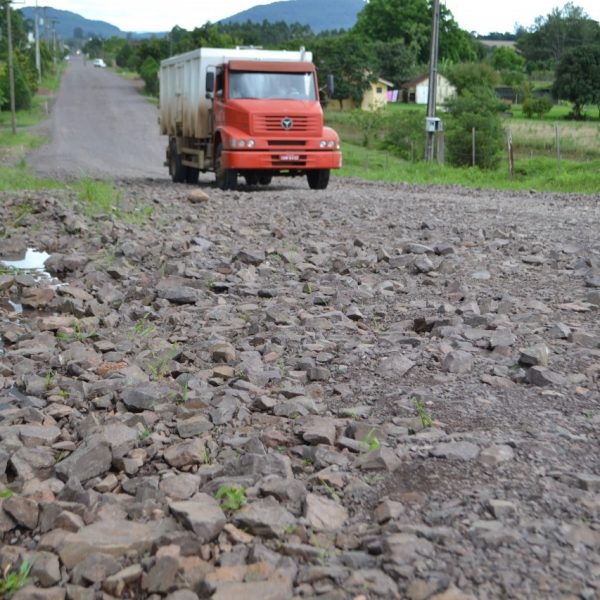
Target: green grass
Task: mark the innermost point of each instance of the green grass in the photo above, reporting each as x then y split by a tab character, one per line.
13	581
98	197
232	497
542	174
20	177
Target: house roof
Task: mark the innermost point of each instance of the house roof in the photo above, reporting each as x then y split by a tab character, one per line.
414	82
384	81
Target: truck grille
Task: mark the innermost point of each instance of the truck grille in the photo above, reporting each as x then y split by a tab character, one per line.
286	143
283	124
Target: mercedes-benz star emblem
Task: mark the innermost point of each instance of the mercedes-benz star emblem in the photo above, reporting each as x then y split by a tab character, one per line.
287	123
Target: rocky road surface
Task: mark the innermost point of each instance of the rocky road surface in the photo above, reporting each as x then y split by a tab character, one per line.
376	391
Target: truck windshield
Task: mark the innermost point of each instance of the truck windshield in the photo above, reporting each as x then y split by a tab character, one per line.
267	86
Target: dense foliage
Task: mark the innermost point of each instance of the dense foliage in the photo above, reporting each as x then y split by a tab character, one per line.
578	78
25	74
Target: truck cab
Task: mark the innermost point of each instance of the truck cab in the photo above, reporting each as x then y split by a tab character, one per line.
263	119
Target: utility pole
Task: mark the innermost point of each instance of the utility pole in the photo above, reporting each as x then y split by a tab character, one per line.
432	123
38	59
11	69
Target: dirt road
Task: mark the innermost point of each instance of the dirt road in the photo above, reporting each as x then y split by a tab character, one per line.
100	126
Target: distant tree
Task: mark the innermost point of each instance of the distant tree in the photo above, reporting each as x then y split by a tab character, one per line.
476	108
149	73
471	76
509	64
578	78
350	60
78	33
410	21
394	61
558	32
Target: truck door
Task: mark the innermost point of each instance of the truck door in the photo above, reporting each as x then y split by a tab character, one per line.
219	99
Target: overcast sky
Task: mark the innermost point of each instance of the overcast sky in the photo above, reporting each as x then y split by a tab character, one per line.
481	16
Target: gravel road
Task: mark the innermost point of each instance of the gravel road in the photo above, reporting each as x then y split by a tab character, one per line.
100	126
396	390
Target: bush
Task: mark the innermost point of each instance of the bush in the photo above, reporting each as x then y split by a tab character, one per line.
536	106
149	73
23	96
368	122
476	109
405	135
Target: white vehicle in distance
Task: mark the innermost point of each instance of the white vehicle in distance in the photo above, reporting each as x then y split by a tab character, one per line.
98	62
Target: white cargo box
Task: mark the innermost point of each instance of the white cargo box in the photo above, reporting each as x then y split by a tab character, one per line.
184	108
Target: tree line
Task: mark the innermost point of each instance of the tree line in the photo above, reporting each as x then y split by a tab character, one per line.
25	71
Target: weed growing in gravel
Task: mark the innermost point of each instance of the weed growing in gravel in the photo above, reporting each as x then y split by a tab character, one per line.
141	328
98	197
78	334
370	442
373	479
4	270
329	489
205	456
145	433
160	368
13	581
5	494
232	497
425	417
49	379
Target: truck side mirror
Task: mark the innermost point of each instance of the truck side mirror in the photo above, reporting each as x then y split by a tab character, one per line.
210	84
330	85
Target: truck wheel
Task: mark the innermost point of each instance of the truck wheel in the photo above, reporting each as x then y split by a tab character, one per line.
226	178
191	175
176	170
265	178
251	179
318	179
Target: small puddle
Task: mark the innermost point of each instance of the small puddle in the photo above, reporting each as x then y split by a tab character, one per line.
33	263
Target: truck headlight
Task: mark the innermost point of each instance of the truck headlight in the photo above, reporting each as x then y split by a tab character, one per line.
330	144
250	144
323	144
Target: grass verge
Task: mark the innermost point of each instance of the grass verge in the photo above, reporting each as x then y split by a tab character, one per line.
541	174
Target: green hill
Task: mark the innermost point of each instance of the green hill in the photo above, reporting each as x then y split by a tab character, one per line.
319	14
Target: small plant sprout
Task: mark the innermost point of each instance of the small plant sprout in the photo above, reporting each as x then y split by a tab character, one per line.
5	494
232	497
330	490
159	369
78	334
12	581
142	328
370	442
145	433
425	417
49	379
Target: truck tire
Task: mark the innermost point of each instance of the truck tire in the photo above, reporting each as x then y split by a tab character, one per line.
251	178
191	175
176	170
226	178
318	179
265	178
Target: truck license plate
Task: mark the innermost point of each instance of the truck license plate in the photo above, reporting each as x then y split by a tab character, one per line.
290	157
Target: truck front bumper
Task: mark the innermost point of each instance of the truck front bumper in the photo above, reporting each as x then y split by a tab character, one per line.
281	160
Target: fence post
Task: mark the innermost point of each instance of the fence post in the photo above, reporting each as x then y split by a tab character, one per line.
557	146
441	148
473	146
511	158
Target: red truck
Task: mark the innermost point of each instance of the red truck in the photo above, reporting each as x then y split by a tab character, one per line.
245	112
